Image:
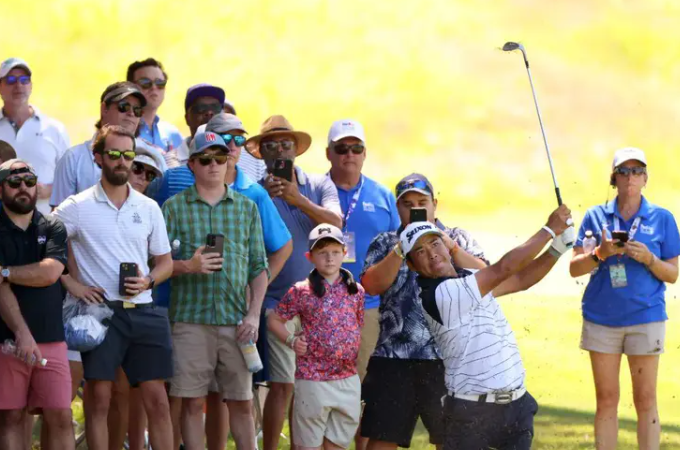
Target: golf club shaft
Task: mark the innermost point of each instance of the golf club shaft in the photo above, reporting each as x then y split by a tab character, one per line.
545	140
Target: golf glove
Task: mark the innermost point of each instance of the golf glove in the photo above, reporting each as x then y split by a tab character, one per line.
563	242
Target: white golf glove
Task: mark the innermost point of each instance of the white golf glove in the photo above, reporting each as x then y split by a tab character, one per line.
563	242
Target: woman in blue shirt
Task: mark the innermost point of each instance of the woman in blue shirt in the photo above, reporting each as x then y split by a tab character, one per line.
624	310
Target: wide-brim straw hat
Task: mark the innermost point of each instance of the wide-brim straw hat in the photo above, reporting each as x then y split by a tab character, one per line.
276	126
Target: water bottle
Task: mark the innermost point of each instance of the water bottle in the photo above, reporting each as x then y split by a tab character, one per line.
589	243
250	355
10	348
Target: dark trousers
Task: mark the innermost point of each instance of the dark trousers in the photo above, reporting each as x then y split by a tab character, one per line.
481	426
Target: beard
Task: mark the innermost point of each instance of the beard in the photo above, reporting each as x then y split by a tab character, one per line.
114	176
22	203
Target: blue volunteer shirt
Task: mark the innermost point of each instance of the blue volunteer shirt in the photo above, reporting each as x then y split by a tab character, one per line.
642	300
274	230
375	213
161	134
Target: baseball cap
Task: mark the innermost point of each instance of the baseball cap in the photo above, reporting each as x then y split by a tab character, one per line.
325	231
626	154
414	231
148	154
205	140
10	63
346	128
124	89
203	90
224	122
414	183
6	168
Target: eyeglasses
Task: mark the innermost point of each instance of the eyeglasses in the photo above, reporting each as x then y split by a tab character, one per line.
147	83
15	181
272	146
115	155
206	158
625	171
22	79
138	169
239	141
412	184
343	149
125	107
203	108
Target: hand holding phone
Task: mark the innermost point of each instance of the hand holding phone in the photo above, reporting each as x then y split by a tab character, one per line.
214	247
283	168
621	236
127	270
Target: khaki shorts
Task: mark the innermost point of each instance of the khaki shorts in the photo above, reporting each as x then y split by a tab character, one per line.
326	409
282	357
202	353
644	339
369	338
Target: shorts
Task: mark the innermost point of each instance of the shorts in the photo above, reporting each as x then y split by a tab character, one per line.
643	339
369	338
204	353
138	340
36	387
281	357
396	393
326	409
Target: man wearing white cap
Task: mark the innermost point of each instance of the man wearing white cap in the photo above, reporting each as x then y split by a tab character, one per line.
38	139
487	405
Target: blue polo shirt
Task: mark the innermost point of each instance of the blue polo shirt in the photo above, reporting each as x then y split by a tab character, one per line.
642	300
274	230
375	213
161	134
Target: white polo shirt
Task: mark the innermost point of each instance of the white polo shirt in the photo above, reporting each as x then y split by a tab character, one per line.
41	141
477	344
103	236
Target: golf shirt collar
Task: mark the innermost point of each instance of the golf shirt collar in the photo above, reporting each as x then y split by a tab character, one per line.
133	198
7	222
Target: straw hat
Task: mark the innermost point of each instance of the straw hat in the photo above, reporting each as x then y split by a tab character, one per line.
276	126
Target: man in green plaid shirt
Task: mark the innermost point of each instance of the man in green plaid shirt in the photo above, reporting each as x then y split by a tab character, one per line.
209	308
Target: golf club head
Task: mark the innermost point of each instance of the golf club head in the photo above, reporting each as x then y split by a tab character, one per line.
512	46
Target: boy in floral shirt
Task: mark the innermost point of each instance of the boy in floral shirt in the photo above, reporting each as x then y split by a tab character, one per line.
330	305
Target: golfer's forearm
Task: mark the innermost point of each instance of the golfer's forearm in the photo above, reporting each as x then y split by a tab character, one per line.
527	277
379	277
518	258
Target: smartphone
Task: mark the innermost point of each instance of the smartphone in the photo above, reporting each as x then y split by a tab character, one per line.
622	236
126	270
418	215
283	168
214	243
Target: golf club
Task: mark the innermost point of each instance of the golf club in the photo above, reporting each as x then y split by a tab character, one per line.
509	47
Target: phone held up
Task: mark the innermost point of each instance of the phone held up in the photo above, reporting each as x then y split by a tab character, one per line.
283	168
621	236
418	215
126	270
214	243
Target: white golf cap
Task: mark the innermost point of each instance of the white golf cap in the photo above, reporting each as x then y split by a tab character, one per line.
415	231
325	231
346	128
11	63
149	154
626	154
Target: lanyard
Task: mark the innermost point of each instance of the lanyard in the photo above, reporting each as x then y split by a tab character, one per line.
633	227
352	204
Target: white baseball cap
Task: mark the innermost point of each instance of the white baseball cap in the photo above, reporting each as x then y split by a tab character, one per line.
325	231
626	154
415	231
10	63
346	128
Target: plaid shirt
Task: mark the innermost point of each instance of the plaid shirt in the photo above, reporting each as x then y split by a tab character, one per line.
218	298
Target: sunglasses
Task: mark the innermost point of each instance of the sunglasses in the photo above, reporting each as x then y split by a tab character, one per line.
239	141
147	83
115	155
15	181
625	171
205	159
138	169
22	79
272	146
343	149
412	184
203	108
126	107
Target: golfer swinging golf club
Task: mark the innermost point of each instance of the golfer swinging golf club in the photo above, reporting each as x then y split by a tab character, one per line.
487	405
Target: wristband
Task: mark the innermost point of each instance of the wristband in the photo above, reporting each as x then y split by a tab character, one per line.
594	256
547	228
290	339
398	251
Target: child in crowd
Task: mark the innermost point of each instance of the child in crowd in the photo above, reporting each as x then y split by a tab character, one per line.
330	306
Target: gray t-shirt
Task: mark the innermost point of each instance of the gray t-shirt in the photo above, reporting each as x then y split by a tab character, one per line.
321	191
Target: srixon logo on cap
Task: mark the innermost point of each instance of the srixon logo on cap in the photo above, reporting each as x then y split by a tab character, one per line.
210	137
414	231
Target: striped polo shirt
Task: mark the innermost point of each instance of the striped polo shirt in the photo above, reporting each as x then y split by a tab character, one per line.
477	344
103	236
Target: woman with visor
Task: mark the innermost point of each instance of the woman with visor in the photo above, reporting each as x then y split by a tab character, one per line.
624	310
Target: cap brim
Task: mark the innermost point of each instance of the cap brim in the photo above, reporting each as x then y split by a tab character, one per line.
338	240
14	66
148	161
644	163
206	91
124	95
206	147
304	141
346	135
435	231
420	191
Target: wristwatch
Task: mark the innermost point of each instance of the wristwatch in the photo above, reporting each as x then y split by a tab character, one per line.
5	272
594	256
152	282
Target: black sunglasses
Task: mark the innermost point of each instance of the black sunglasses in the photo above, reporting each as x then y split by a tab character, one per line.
125	107
206	158
147	83
343	149
139	169
115	154
625	171
22	79
272	146
203	108
15	181
239	141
